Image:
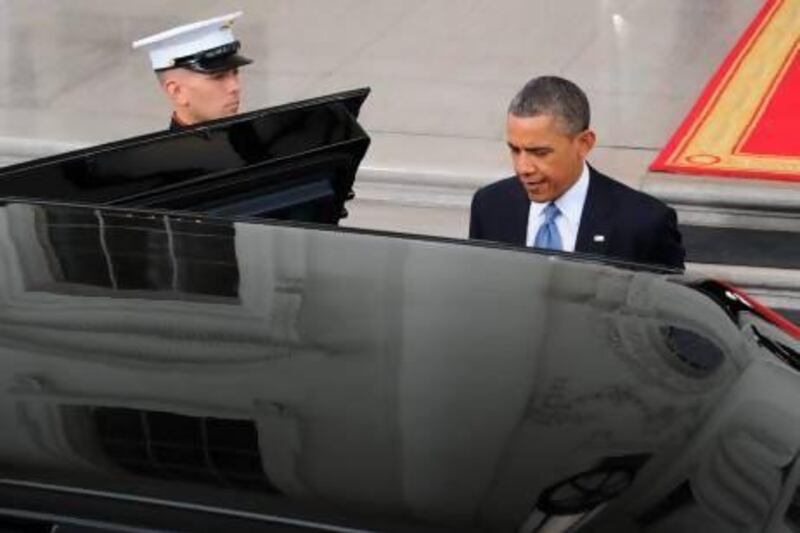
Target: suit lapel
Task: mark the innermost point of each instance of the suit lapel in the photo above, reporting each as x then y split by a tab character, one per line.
594	231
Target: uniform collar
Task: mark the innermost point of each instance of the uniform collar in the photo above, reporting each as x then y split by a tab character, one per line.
176	124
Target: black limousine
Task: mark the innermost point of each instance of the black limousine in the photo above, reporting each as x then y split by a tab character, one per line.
173	358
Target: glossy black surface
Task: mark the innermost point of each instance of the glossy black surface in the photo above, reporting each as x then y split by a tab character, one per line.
190	373
293	162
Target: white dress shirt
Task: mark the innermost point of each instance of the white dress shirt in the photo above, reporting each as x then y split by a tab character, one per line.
571	206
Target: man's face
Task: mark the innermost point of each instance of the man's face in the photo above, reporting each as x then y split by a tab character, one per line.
547	160
199	97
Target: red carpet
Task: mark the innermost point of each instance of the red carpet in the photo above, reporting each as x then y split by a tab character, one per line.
777	130
747	120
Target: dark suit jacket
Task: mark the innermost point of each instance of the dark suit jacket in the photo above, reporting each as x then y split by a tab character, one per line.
636	226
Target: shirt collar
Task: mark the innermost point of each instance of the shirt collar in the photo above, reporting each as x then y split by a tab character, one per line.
571	202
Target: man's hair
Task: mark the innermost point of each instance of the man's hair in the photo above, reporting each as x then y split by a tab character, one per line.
551	95
161	76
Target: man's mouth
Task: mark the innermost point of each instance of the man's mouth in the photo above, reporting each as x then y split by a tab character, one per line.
532	182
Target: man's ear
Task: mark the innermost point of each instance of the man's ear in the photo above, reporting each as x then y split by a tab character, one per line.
586	141
174	91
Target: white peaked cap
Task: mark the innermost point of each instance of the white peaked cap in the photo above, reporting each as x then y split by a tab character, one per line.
165	47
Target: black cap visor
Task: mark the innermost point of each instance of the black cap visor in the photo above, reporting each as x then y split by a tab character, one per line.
210	66
217	59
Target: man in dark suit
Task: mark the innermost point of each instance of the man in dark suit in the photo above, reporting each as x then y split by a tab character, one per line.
556	200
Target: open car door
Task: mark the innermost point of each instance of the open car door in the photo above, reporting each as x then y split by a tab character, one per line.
292	162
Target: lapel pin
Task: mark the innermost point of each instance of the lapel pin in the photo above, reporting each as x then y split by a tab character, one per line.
599	238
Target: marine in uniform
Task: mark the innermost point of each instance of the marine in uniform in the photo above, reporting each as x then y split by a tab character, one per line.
197	66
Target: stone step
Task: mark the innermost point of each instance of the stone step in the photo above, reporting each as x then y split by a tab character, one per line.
18	149
776	287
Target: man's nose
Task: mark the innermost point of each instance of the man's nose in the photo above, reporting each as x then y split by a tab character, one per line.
526	164
234	85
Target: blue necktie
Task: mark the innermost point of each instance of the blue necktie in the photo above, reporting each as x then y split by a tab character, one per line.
548	236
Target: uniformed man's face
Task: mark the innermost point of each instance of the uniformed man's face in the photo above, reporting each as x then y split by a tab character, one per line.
546	159
198	97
